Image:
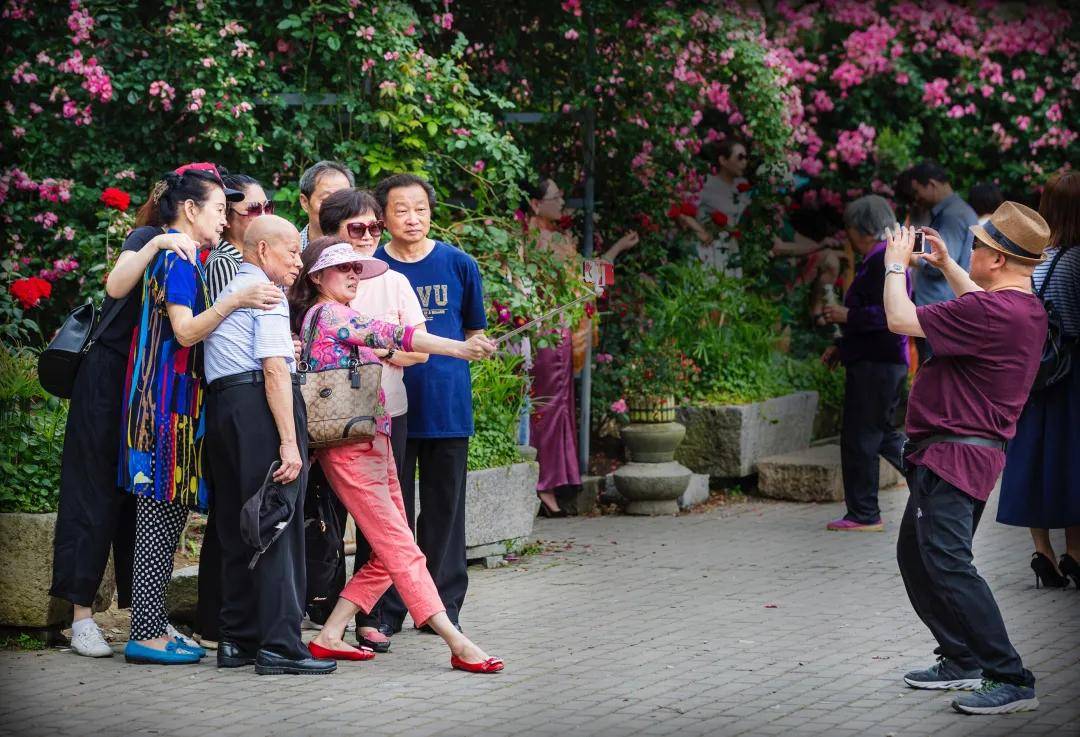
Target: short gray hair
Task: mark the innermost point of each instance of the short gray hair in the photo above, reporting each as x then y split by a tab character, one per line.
310	178
869	215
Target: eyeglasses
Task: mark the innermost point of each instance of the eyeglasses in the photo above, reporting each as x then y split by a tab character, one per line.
354	266
255	209
357	230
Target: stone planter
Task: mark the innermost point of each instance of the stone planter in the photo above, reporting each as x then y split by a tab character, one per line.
652	482
727	440
500	507
26	552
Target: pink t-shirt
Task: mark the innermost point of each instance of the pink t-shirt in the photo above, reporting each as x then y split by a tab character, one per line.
987	347
390	298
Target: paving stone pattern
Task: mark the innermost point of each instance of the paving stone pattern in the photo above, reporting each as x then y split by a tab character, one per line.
644	626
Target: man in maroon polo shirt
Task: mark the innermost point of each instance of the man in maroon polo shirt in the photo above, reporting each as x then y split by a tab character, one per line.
987	344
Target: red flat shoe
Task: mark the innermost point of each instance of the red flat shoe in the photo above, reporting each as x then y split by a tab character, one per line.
318	651
491	665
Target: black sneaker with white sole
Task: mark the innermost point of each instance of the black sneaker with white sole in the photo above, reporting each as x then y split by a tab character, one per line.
945	675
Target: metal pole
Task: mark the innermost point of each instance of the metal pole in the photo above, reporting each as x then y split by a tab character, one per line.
590	202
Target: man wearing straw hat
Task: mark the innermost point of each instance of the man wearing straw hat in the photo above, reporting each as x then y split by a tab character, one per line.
987	344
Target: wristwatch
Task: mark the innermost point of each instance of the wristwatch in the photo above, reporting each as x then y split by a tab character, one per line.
894	268
389	353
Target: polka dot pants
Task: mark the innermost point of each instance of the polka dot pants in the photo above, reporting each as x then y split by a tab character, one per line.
158	526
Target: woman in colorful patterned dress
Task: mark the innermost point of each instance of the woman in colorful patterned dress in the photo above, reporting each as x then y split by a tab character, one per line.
161	451
363	475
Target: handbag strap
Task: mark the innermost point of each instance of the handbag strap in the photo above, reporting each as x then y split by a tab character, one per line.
308	340
107	318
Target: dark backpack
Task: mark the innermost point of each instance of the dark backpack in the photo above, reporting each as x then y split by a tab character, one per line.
324	536
1058	350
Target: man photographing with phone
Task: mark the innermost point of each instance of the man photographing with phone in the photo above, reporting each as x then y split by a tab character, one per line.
987	344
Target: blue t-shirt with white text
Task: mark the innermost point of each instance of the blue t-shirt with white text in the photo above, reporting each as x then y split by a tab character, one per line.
447	283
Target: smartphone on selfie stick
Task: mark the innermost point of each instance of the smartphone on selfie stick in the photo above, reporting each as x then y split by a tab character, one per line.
920	242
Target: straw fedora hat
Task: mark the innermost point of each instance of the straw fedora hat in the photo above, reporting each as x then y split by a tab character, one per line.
1017	231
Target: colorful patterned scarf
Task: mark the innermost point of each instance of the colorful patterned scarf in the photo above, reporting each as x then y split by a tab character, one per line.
164	426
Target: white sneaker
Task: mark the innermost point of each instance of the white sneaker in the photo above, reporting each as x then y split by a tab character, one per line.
90	642
173	634
307	624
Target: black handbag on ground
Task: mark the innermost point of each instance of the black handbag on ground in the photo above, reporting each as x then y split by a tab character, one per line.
1059	349
59	363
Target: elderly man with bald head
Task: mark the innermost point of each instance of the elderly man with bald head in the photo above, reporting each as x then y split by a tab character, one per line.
256	420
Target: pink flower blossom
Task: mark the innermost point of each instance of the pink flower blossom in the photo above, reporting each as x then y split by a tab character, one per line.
956	111
822	102
572	6
47	219
619	407
571	35
241	50
18	132
1039	96
1054	112
35	108
1023	122
21	76
232	28
478	166
935	93
208	62
1018	74
854	146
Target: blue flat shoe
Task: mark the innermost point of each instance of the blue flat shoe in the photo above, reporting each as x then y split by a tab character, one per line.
173	654
185	642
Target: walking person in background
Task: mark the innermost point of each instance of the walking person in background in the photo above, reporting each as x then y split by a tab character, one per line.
1041	485
363	474
553	427
962	411
952	219
221	266
447	282
319	181
353	216
875	362
163	427
256	418
94	513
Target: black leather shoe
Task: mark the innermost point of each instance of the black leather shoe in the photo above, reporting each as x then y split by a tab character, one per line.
231	655
379	647
272	664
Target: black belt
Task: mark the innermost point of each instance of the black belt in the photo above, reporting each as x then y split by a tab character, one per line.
916	446
243	379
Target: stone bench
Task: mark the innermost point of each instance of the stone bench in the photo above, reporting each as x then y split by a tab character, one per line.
811	475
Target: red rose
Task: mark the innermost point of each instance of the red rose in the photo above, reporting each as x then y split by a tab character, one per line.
565	222
688	208
743	186
719	218
674	211
30	291
116	198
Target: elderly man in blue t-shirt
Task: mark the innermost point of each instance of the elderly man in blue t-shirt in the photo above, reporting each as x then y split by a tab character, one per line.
447	282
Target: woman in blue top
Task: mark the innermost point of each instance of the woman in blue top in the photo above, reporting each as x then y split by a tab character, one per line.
160	455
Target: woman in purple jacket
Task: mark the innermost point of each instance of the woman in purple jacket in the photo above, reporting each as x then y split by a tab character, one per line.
875	362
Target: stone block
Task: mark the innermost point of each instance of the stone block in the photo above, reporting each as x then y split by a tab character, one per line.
500	505
583	501
652	488
26	553
727	440
811	475
182	597
697	491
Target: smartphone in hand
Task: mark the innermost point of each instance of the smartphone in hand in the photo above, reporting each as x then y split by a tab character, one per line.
920	242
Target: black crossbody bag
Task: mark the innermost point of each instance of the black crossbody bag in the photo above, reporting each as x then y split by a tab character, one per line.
59	363
1058	350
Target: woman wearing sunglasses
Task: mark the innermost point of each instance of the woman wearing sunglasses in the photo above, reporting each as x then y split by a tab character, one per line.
721	203
353	216
225	259
363	474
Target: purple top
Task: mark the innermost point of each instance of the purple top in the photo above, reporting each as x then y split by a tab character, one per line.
987	348
866	335
341	327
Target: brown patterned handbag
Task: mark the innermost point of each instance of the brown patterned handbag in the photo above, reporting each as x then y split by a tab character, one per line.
342	403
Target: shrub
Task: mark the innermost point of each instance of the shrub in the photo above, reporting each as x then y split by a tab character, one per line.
498	396
31	436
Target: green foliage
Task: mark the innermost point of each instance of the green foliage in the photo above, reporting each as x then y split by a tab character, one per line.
498	395
31	436
21	641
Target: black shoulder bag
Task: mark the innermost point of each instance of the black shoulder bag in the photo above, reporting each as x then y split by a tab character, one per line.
59	363
1058	350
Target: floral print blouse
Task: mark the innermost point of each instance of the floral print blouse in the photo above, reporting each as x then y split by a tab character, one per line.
340	328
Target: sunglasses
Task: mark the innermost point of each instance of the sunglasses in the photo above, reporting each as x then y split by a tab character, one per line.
255	209
354	266
357	230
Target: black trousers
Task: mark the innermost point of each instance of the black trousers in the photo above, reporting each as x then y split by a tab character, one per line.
208	606
871	396
948	594
440	528
94	513
399	433
261	607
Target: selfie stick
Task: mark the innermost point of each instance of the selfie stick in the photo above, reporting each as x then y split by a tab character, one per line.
538	320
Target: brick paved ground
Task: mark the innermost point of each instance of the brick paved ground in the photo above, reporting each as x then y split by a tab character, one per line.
643	627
